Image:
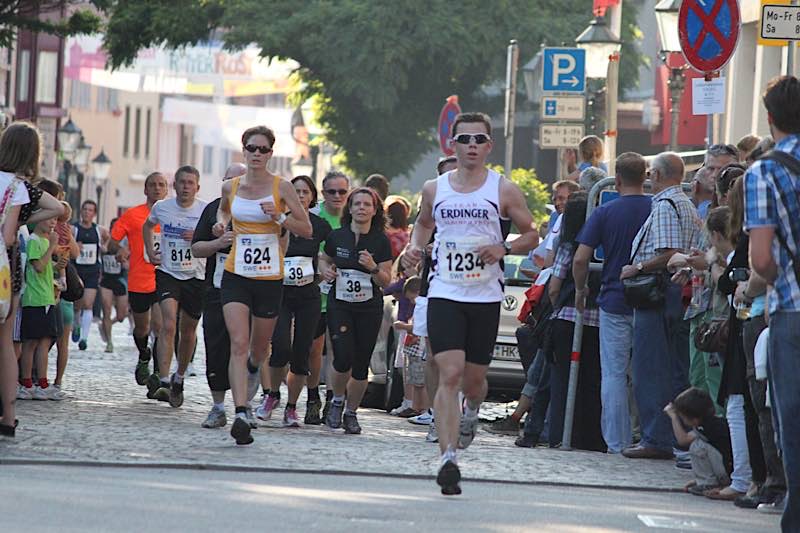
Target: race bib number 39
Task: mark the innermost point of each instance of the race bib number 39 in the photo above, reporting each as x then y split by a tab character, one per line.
460	263
257	255
88	255
298	271
353	286
177	255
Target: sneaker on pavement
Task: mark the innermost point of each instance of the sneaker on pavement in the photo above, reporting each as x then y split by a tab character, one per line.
312	417
142	371
216	419
467	430
683	463
290	419
24	393
424	419
55	393
645	452
775	507
76	333
268	405
82	345
153	383
350	423
448	478
526	441
162	394
504	426
175	392
404	405
240	431
109	346
334	418
40	393
326	410
253	382
250	418
408	413
432	435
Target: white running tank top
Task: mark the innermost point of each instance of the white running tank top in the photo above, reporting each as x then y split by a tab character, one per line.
465	221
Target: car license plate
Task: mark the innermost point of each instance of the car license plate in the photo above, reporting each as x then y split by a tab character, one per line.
506	352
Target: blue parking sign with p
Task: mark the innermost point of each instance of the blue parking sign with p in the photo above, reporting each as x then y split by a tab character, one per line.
564	70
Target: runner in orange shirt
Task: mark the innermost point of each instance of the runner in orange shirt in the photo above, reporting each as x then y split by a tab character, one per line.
142	274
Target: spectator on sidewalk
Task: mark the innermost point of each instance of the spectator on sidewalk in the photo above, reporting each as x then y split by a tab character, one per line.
660	341
746	145
708	441
614	226
702	191
772	217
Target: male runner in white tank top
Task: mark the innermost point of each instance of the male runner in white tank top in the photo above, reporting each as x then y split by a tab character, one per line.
467	208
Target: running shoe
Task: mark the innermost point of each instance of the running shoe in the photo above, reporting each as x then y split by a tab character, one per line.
432	435
250	418
40	393
467	430
290	419
76	333
163	392
82	345
24	393
526	441
326	409
351	426
55	393
240	431
504	426
312	417
142	371
448	478
253	382
334	418
405	405
264	411
175	392
153	384
110	346
216	419
408	413
425	419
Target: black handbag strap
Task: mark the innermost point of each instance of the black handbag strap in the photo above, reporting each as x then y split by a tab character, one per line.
791	164
650	224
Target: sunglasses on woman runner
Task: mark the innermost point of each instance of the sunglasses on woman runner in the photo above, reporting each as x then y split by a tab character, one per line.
252	149
466	138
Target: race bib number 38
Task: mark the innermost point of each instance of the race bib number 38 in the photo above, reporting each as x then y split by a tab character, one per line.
257	255
460	263
298	271
353	286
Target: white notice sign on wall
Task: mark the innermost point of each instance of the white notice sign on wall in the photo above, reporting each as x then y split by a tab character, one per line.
708	97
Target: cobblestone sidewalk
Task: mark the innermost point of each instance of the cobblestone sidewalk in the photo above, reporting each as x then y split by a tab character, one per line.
106	419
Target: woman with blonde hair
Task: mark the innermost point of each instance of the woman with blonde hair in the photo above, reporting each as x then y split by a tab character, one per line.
20	160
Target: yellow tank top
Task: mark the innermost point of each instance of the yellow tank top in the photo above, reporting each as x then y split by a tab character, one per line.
256	245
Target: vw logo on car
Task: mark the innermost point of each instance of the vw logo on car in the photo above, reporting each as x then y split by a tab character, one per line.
509	302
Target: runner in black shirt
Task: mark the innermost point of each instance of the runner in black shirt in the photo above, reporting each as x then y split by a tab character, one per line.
301	304
358	257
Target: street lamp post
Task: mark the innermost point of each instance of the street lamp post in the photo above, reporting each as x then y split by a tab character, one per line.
667	20
602	61
101	168
69	140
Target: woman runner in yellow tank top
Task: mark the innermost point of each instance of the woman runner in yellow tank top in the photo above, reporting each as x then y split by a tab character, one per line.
259	206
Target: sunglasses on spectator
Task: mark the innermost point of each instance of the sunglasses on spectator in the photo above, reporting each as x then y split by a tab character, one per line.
262	149
466	138
332	192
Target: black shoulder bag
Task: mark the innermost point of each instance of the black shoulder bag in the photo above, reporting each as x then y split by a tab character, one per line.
793	166
646	291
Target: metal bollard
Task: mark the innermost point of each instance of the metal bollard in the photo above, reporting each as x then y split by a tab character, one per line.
572	390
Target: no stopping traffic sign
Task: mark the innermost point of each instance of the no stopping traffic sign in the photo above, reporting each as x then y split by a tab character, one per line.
709	32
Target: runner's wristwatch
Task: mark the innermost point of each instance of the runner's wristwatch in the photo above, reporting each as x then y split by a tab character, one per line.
507	246
281	219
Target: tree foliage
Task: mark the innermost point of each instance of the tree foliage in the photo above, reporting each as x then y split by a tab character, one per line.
536	193
21	15
379	70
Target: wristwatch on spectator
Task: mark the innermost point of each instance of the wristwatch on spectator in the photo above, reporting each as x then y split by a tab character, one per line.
507	246
640	266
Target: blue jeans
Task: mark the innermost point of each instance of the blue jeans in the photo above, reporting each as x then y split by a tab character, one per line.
784	369
616	341
656	352
538	390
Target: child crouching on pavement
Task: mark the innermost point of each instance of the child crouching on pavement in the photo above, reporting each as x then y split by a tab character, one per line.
412	347
39	325
709	440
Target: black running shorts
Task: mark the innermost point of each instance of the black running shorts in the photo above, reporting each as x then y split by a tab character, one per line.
262	296
470	327
188	292
141	302
114	284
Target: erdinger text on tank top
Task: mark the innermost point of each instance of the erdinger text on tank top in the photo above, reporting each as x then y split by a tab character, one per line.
464	222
